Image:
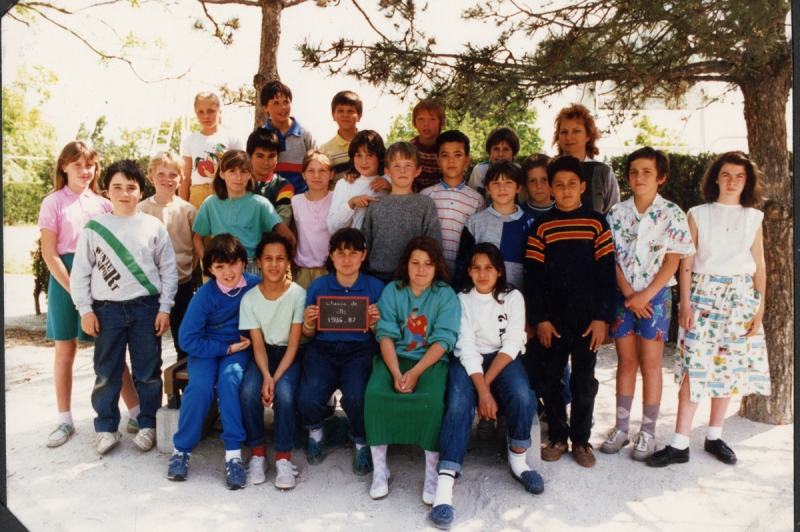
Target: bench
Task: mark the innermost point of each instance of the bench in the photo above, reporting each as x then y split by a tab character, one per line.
176	377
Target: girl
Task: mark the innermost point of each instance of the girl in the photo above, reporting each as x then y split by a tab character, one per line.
310	212
64	212
721	347
419	322
218	355
339	360
650	236
202	149
236	210
488	372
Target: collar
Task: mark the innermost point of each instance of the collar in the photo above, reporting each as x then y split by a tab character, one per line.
338	139
69	192
448	187
358	285
516	216
225	289
541	209
629	204
294	130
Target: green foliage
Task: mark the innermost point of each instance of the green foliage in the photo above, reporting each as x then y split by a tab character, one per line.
21	202
651	135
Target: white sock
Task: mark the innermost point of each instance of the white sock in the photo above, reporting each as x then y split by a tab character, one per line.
714	433
680	442
230	455
444	488
65	417
517	462
176	452
379	457
133	413
316	434
359	446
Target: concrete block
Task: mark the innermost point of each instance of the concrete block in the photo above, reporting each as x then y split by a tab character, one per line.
167	423
534	455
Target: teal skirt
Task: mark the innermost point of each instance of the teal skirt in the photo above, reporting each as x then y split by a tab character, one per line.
63	320
411	419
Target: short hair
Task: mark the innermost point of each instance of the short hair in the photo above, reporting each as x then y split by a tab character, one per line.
128	168
502	286
317	155
346	238
434	251
211	96
165	158
273	238
537	160
503	134
565	163
751	194
372	141
404	150
224	249
505	169
72	152
272	89
452	135
263	138
347	98
230	160
433	106
578	112
660	158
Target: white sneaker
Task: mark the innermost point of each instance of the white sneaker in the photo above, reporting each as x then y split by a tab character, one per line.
107	441
645	445
256	470
615	441
145	439
61	435
284	479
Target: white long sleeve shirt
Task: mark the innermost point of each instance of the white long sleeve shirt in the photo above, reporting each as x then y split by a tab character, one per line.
341	215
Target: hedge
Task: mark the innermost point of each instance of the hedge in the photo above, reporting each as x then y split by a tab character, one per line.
21	202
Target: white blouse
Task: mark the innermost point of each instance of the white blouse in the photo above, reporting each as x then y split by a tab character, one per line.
725	234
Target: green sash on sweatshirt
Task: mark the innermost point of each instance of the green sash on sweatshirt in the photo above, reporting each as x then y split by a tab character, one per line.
125	256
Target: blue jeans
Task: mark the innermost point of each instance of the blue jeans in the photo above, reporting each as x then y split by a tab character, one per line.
283	404
513	394
128	324
331	365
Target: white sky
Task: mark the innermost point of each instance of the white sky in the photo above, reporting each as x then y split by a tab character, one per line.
87	89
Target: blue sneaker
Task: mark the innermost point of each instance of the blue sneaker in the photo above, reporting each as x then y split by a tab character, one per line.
178	466
362	462
315	454
237	476
531	480
442	516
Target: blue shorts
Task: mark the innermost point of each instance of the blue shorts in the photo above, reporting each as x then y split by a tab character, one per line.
626	323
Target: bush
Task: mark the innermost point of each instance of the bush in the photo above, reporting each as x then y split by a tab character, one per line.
21	202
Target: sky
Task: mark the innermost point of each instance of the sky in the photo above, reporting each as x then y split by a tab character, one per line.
88	89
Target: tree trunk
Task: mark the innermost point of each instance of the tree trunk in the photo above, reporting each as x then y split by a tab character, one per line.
765	113
268	60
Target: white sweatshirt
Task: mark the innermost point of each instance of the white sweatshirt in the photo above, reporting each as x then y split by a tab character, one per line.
341	215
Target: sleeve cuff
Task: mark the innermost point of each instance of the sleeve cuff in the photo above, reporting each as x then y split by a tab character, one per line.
472	366
85	309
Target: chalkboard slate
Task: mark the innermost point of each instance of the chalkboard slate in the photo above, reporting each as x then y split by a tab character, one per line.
344	314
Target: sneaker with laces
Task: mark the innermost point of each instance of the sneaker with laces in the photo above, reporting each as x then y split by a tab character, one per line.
284	479
107	441
315	454
644	446
584	454
257	469
145	439
132	427
362	461
553	450
615	441
485	430
236	477
178	466
61	435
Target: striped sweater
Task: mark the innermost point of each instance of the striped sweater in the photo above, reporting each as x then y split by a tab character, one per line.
294	145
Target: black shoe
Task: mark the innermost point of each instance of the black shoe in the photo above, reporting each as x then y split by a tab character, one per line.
721	450
668	455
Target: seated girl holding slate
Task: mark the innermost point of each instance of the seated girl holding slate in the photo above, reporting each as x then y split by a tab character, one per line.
420	318
339	359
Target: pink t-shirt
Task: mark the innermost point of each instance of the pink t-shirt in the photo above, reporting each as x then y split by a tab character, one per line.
312	230
66	212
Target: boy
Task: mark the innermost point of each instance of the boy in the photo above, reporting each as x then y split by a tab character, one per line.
346	109
276	100
534	168
123	284
455	202
165	172
428	118
569	292
397	218
263	146
502	144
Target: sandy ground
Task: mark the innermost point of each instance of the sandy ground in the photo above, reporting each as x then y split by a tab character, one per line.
72	488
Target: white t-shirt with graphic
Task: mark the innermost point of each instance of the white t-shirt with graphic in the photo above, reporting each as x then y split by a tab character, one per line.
205	151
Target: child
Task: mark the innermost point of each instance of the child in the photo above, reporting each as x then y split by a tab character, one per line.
576	135
263	147
540	200
502	144
428	117
350	200
346	109
339	360
311	212
404	402
123	283
487	371
569	293
276	100
455	202
504	224
273	313
650	237
390	223
721	347
236	210
65	210
202	149
218	355
166	173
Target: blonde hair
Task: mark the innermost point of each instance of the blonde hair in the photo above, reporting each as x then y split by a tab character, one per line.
165	158
213	98
74	151
320	156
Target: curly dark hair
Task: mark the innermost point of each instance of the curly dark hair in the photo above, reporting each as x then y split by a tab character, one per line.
434	251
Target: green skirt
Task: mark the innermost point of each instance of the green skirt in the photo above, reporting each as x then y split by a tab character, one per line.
411	419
